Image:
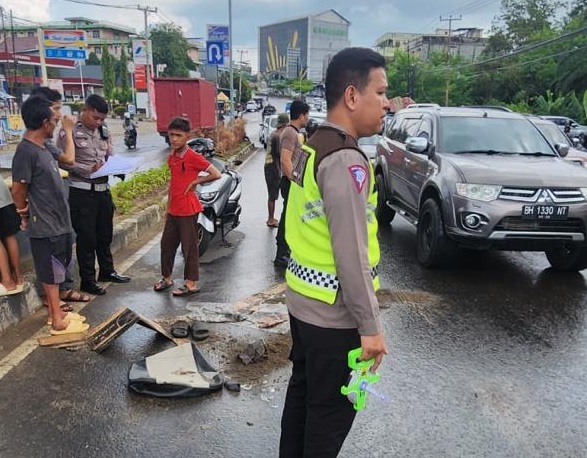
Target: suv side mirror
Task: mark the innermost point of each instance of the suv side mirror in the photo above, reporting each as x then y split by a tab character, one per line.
417	145
562	149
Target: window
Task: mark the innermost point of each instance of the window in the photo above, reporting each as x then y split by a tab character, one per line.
97	50
30	34
95	34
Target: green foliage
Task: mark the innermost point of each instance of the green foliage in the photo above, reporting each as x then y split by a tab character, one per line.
119	110
170	47
93	59
108	73
127	193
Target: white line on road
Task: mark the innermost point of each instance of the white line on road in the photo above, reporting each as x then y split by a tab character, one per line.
16	356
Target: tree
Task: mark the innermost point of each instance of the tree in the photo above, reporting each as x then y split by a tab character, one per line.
523	19
123	82
92	59
170	47
108	73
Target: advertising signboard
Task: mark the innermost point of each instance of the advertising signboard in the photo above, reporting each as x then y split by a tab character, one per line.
64	38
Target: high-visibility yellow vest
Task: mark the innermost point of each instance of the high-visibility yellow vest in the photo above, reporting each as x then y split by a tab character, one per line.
311	270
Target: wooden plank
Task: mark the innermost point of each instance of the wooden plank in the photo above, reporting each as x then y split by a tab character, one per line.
158	328
101	336
76	338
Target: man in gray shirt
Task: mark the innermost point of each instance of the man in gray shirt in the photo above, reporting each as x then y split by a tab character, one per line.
332	272
36	179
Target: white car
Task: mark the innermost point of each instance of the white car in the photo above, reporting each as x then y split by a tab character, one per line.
268	125
251	105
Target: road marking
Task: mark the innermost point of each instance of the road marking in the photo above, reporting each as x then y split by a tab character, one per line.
16	356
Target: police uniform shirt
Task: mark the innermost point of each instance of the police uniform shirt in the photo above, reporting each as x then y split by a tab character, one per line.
90	149
345	203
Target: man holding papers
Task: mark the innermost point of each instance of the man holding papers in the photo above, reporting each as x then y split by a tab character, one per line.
90	201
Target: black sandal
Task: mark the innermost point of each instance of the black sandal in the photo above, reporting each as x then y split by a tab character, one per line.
162	285
180	329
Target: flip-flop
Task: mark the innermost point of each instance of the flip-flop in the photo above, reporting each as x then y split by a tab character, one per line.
64	306
180	329
185	291
200	334
73	327
9	292
272	224
162	285
70	316
75	296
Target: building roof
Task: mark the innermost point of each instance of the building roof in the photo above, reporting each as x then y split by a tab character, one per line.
314	16
80	23
88	71
21	44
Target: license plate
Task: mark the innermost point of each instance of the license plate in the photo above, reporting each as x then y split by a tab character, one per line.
545	212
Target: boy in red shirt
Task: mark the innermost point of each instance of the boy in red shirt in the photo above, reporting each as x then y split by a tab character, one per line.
182	208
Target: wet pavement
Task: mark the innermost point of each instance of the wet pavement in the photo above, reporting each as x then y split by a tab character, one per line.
487	359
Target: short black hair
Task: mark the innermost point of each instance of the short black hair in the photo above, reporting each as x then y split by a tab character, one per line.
48	93
98	103
180	123
35	111
351	66
297	109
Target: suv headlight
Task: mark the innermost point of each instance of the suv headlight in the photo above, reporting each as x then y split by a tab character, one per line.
584	192
484	192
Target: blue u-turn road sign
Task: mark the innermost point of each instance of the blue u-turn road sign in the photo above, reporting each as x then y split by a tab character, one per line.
215	52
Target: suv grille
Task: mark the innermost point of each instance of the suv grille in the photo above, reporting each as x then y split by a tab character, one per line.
547	195
516	223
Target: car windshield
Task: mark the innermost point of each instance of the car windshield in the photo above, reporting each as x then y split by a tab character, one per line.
497	135
554	134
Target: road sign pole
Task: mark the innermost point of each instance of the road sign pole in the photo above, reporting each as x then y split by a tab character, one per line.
41	38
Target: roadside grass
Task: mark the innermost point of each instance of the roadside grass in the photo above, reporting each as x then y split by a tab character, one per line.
148	187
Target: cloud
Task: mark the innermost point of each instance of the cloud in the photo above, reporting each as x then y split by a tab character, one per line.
34	10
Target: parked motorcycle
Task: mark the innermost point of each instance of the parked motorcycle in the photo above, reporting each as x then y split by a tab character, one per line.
130	138
220	198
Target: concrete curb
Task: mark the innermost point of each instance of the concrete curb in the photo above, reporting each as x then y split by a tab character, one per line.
18	306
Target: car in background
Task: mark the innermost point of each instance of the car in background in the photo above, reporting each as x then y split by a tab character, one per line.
268	110
369	146
251	106
576	130
268	125
481	179
556	138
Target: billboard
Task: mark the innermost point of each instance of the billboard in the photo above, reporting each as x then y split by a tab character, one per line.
274	42
64	38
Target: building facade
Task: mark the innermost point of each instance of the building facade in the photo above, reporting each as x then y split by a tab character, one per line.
468	43
303	46
98	34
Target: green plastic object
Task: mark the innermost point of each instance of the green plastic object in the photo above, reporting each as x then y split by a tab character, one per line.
360	379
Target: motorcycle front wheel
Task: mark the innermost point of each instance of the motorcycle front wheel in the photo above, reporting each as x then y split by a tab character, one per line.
204	238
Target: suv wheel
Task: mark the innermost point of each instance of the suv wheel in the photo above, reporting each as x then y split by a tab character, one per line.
383	213
432	245
567	258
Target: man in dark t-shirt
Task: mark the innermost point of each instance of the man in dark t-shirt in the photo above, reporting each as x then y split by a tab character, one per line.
36	179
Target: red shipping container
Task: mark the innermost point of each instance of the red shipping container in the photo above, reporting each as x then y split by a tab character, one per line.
191	98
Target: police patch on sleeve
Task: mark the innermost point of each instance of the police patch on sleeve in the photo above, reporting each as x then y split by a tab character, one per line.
359	176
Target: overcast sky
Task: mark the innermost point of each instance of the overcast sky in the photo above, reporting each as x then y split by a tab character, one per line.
369	18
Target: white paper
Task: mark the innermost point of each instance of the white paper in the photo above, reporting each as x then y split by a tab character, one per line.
177	366
116	165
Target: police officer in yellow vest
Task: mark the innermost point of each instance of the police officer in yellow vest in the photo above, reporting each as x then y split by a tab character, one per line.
332	274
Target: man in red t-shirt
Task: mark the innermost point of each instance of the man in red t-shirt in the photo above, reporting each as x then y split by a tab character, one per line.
183	206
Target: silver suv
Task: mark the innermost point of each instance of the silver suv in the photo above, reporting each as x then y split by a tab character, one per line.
481	179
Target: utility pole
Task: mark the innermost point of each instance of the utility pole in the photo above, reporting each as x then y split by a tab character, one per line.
14	58
240	73
4	36
230	44
450	20
146	10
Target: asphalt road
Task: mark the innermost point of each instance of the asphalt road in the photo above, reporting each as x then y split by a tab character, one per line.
487	359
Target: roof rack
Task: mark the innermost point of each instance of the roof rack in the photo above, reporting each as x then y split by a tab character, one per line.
423	105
